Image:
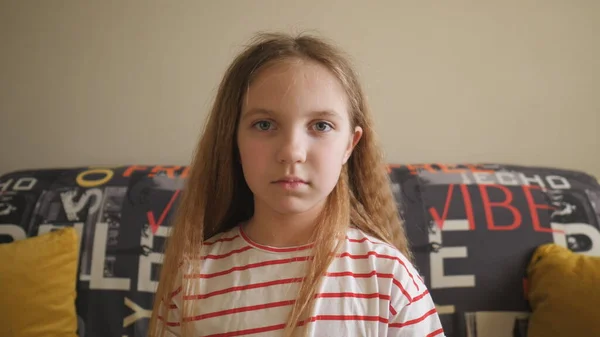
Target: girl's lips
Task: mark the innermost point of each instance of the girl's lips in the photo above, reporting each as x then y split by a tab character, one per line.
291	184
291	179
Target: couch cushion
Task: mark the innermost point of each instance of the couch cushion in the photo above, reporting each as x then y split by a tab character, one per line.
564	292
37	285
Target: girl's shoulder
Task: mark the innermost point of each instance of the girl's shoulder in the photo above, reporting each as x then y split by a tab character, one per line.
359	238
389	261
360	244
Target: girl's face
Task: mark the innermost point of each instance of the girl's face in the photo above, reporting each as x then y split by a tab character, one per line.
294	136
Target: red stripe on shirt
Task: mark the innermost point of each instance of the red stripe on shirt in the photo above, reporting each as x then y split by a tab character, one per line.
238	310
170	306
345	318
167	323
393	311
222	256
249	266
221	240
413	321
311	319
371	274
404	292
374	242
419	297
436	332
177	291
358	275
281	304
284	281
356	256
357	240
240	288
354	295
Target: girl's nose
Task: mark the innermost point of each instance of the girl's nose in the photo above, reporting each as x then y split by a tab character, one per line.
292	149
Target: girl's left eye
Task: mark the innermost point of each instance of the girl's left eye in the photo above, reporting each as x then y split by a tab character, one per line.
263	125
323	127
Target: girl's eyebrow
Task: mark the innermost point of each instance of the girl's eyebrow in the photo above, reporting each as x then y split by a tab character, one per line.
257	112
315	114
325	114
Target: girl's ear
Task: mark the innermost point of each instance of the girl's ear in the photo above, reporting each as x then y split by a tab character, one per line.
356	135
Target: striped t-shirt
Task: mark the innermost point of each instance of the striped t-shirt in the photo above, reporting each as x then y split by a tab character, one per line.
245	288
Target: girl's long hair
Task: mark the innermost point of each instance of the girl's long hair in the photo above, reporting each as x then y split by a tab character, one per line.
216	197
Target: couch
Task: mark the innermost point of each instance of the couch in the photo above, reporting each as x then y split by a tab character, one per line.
474	229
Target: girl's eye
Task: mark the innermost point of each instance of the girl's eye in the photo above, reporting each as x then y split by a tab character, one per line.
263	125
323	127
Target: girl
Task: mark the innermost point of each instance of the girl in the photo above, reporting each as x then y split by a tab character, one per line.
287	225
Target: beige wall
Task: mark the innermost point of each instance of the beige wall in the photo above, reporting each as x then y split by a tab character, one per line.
129	82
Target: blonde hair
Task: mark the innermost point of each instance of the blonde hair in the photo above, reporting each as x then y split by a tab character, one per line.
216	197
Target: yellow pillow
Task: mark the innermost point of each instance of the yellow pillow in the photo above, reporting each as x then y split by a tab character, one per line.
564	293
37	285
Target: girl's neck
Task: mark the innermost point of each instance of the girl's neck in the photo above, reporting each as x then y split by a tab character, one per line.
281	230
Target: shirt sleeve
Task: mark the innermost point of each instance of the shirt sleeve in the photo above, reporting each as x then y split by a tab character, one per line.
412	311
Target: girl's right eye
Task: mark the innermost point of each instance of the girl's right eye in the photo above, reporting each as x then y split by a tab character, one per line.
263	125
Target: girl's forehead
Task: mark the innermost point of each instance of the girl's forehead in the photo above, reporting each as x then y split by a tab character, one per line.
295	84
